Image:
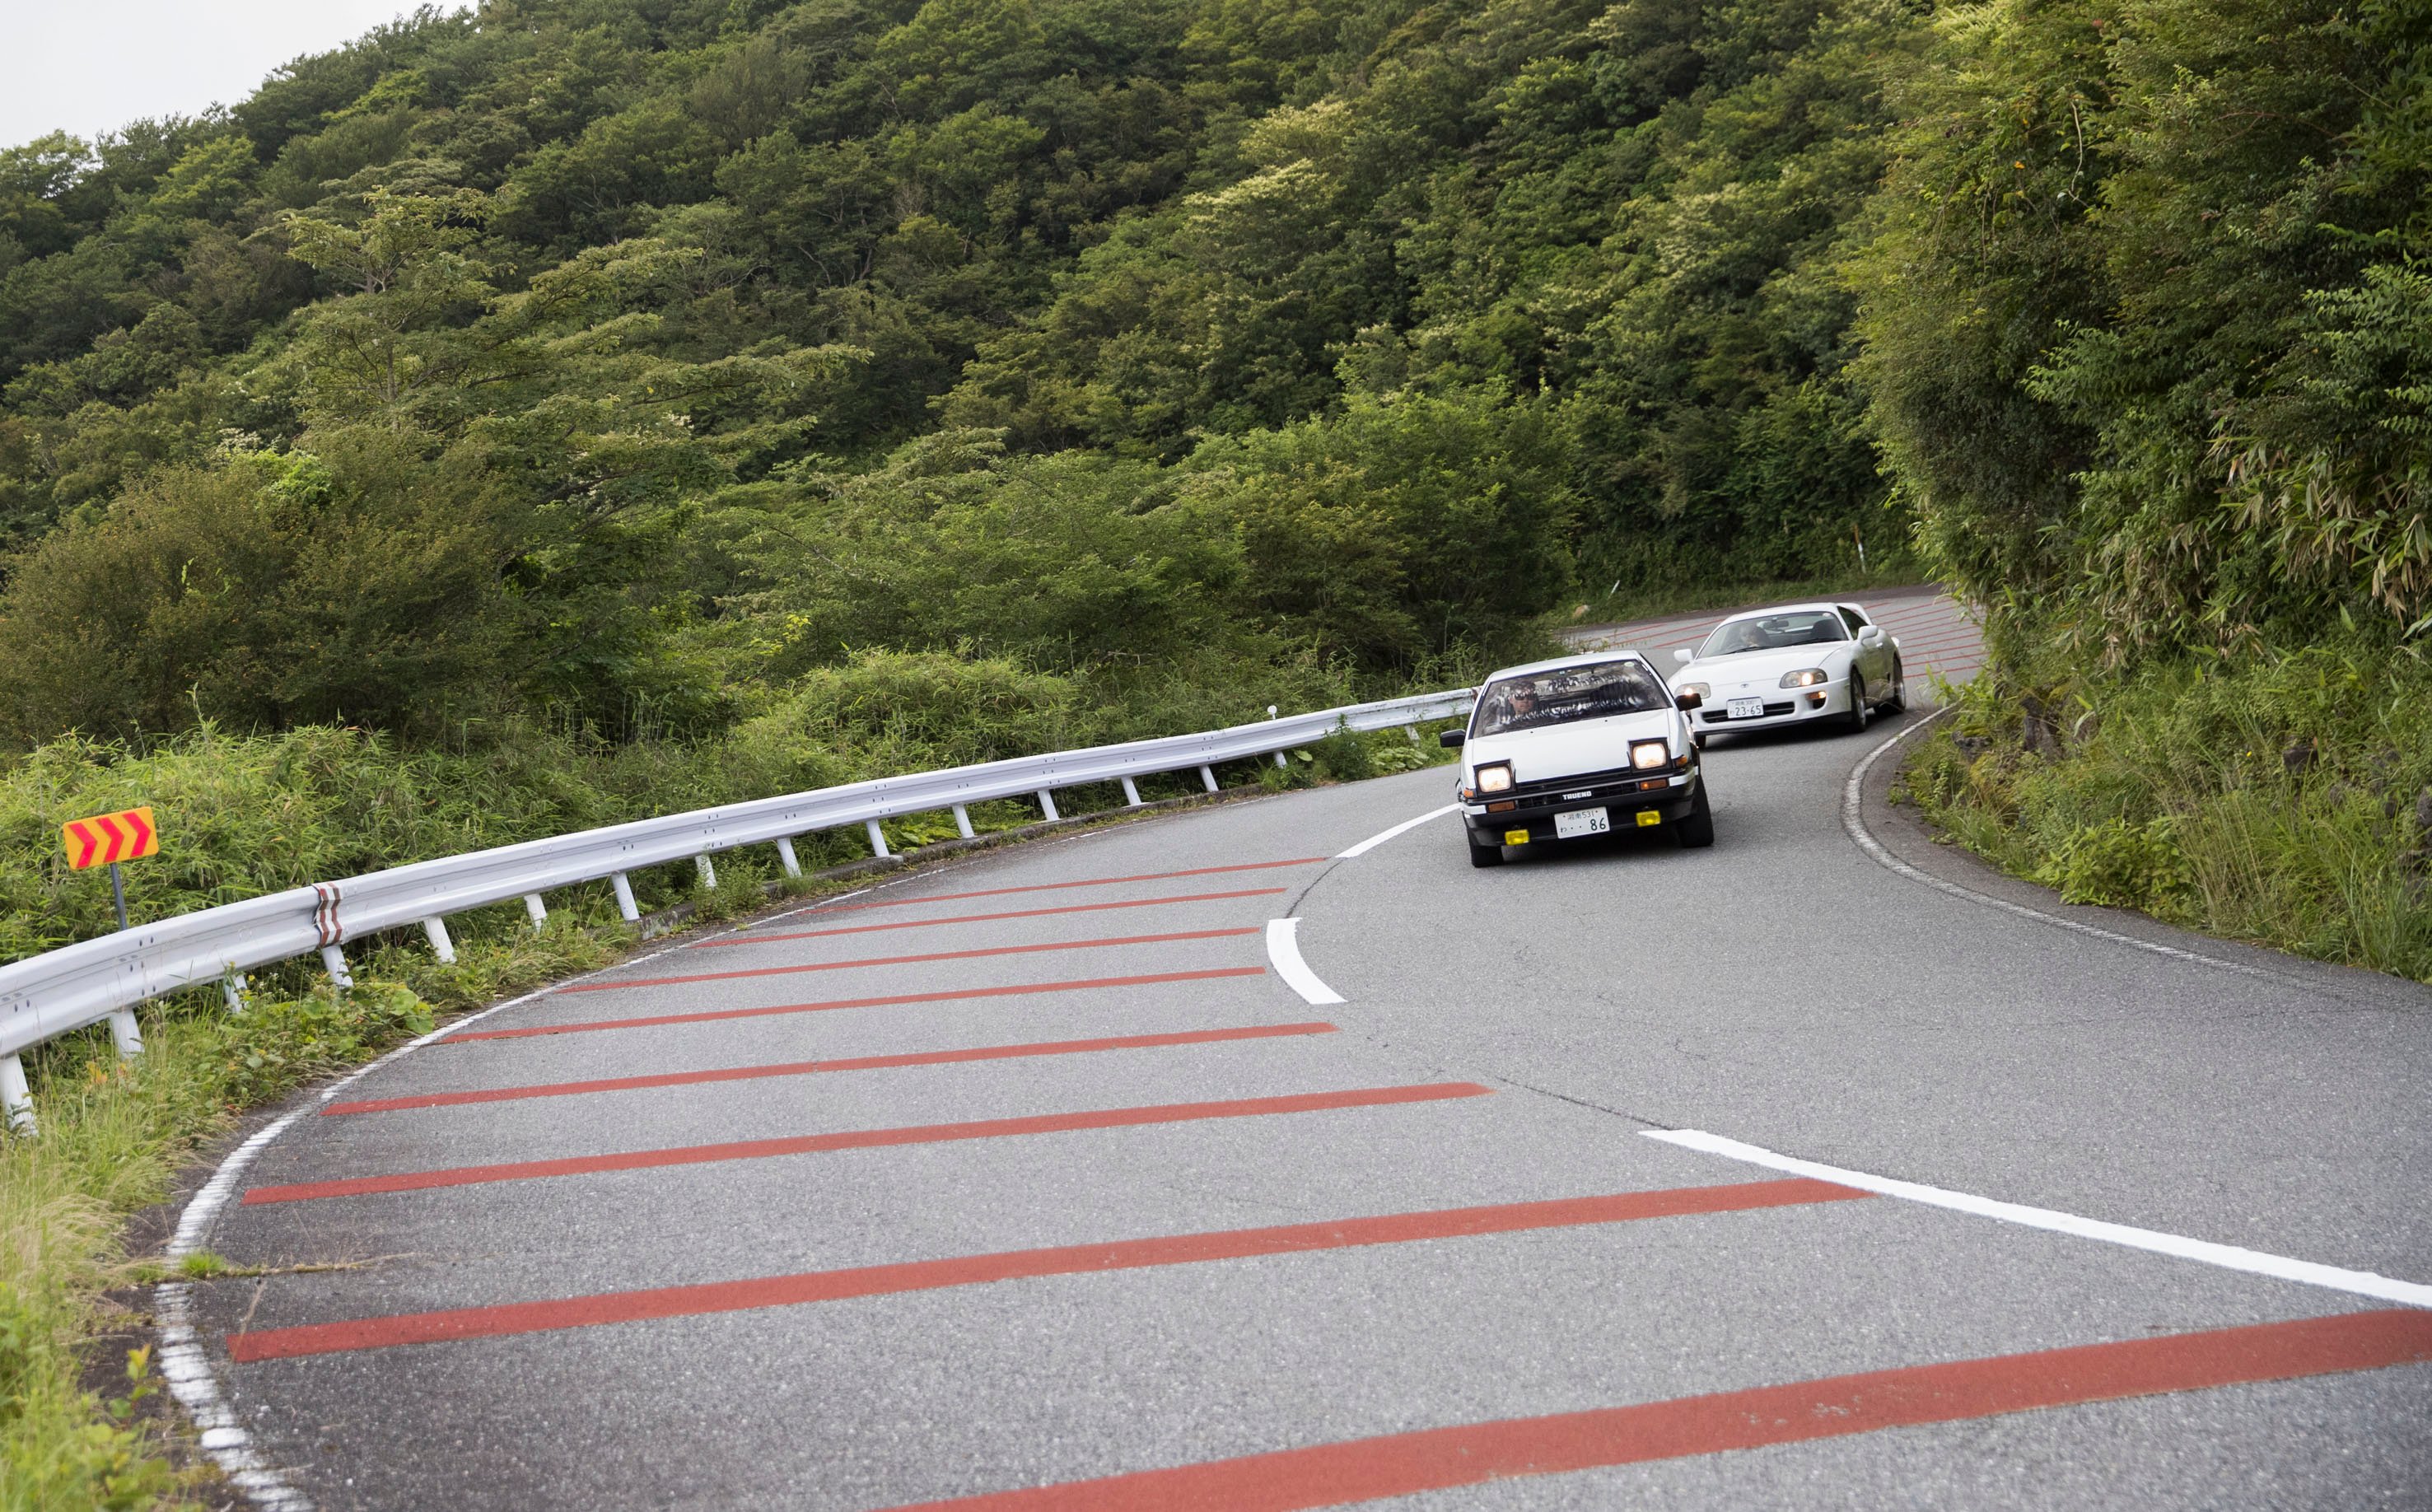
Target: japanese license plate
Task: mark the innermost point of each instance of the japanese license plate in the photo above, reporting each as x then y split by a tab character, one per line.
1747	708
1585	822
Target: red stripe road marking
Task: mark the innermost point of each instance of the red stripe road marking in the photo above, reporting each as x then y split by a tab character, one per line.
983	918
910	960
891	1001
1089	881
860	1063
1941	642
979	1270
927	1133
1365	1470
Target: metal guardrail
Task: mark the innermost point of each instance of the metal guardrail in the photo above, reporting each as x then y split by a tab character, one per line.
82	984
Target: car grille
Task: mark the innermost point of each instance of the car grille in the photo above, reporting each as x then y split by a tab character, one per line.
1621	780
1723	716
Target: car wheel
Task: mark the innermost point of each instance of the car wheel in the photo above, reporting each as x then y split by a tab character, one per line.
1486	855
1698	741
1861	712
1899	701
1697	830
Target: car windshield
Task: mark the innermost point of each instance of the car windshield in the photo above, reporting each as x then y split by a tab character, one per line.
1597	691
1772	633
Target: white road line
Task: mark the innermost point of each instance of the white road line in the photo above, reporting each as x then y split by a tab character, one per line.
1854	820
183	1363
1375	840
2227	1256
1283	949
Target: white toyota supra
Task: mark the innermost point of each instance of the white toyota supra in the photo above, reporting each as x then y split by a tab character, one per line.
1800	663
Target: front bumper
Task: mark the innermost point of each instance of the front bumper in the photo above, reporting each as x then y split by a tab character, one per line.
1783	706
1531	821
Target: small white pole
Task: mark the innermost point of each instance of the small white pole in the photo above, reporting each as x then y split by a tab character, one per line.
125	1034
877	839
963	822
1411	730
441	946
1131	794
538	909
1208	775
785	856
15	1099
708	872
232	988
334	959
1279	759
1047	801
625	904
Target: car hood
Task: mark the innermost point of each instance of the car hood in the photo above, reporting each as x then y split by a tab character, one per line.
1569	750
1761	671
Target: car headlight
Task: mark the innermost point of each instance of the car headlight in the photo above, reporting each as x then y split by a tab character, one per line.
1700	689
1649	754
1811	677
1494	779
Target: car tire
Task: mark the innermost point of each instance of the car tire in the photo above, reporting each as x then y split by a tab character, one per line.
1898	702
1695	829
1861	712
1486	855
1697	740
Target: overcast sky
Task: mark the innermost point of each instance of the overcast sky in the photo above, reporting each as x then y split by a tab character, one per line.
89	66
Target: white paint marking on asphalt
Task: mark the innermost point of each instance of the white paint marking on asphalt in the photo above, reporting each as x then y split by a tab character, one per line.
1404	827
1854	820
1283	949
2227	1256
183	1364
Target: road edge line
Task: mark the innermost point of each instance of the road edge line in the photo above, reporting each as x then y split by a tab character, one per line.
1854	820
1283	952
2203	1252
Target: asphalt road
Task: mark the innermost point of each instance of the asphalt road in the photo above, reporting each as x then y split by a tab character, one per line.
780	1275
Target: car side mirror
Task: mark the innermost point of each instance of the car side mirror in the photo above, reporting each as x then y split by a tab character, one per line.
1683	655
1871	634
1451	739
1689	700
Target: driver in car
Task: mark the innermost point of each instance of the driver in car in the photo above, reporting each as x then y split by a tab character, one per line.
1524	705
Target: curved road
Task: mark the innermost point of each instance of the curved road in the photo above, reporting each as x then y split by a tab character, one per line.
1008	1178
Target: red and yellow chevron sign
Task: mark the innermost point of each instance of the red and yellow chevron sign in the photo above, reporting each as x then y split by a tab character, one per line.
107	838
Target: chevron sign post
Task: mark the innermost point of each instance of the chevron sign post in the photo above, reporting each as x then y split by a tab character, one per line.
109	839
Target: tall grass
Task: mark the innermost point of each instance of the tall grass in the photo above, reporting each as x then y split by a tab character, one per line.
2285	800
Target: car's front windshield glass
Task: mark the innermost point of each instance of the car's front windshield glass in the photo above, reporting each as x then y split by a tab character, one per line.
1773	633
1597	691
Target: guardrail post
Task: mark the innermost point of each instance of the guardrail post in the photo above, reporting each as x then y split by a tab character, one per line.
1208	775
625	904
963	822
1411	730
16	1101
708	871
232	988
785	856
335	958
877	839
125	1034
1279	759
1131	794
441	946
538	909
1047	801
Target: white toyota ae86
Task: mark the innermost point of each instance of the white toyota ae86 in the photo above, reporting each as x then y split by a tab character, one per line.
1563	751
1794	665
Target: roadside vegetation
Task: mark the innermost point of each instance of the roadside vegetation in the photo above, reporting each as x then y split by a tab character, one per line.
589	409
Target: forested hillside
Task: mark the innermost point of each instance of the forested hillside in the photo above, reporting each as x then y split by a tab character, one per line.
692	370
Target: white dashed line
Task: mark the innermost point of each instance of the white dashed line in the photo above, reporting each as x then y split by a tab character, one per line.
2227	1256
1406	825
1283	949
